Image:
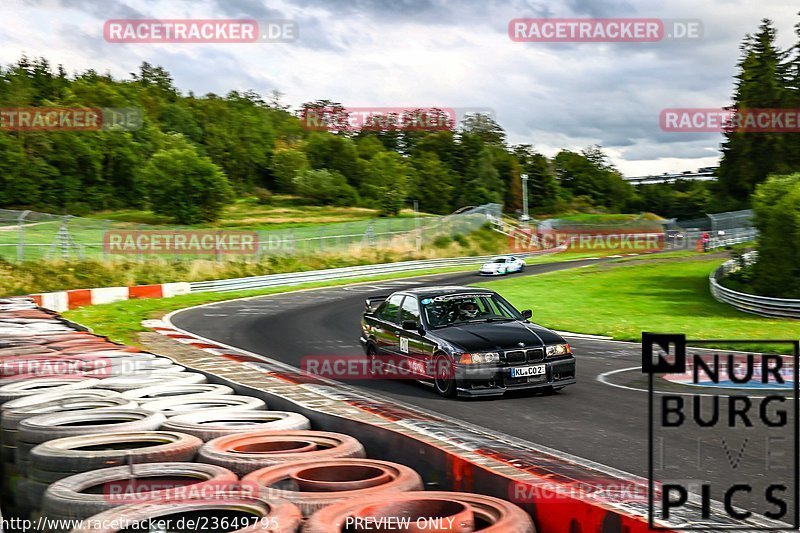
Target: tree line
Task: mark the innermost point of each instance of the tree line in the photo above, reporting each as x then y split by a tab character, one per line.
193	154
768	78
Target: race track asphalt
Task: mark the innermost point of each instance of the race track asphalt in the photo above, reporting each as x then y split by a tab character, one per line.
593	419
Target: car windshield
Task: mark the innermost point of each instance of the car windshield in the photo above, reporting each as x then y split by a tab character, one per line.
457	309
501	260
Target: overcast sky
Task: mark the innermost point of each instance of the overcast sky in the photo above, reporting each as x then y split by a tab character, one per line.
439	53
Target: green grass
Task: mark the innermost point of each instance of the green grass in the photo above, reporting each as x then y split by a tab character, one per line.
284	211
667	294
600	218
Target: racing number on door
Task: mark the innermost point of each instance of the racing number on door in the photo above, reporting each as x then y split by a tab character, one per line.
403	344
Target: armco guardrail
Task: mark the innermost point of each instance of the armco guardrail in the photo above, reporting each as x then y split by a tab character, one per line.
751	303
297	278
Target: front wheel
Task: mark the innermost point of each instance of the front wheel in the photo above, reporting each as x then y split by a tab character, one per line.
444	376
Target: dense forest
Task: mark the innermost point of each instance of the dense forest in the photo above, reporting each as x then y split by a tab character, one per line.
195	153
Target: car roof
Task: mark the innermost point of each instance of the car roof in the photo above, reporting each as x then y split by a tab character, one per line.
444	290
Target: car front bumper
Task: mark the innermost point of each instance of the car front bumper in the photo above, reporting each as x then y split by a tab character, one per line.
491	380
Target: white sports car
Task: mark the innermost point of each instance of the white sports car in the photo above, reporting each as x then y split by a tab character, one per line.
501	265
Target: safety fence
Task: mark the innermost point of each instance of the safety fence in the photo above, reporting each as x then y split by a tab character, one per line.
28	235
750	303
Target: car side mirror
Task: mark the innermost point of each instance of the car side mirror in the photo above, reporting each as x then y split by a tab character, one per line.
527	313
410	325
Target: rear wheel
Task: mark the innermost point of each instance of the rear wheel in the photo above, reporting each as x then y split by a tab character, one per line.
444	376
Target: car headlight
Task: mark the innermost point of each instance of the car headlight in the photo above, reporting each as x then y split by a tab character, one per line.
479	358
555	350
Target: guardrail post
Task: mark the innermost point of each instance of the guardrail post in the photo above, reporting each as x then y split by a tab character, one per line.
104	253
21	240
139	256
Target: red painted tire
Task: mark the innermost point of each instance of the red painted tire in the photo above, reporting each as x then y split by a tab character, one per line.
317	484
489	515
98	347
247	452
276	516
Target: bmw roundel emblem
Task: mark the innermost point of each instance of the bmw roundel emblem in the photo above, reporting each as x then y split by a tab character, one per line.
521	344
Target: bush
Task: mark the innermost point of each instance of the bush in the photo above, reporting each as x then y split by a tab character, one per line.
285	166
185	186
325	187
263	196
442	241
776	204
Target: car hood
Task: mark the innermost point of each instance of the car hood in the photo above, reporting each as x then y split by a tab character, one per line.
497	336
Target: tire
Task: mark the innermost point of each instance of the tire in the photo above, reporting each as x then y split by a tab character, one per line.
72	455
46	397
317	484
181	405
29	495
145	379
26	350
42	428
121	366
247	452
19	389
165	392
212	425
12	417
125	485
498	516
275	516
443	380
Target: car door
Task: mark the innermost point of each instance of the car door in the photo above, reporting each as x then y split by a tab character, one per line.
387	326
413	350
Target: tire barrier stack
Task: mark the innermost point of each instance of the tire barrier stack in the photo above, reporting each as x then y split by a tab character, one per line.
109	437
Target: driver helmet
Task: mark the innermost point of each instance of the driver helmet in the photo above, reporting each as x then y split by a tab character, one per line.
468	309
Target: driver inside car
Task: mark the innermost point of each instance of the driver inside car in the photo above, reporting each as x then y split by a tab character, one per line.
467	310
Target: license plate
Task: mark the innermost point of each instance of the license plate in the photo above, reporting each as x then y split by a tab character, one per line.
528	371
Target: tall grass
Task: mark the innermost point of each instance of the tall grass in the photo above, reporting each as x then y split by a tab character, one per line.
54	275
